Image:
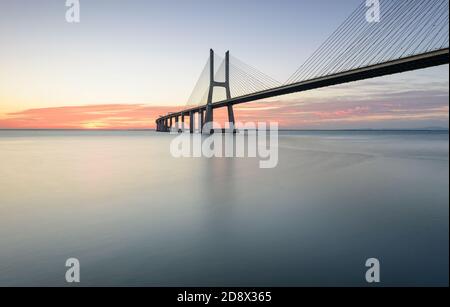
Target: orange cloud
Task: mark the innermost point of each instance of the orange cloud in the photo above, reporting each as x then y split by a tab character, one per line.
112	116
289	114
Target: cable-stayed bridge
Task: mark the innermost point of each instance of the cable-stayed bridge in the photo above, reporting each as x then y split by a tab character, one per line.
410	35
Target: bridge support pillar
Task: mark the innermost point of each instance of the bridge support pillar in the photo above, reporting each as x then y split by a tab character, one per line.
170	123
209	117
182	122
231	117
191	122
200	121
177	125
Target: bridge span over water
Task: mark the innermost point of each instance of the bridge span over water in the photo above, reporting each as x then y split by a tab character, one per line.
410	35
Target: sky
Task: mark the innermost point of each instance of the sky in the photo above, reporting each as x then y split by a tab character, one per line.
127	62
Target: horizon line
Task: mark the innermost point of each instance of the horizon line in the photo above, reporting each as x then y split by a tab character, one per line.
284	129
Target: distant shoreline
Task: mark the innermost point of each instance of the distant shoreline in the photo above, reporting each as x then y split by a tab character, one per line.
281	130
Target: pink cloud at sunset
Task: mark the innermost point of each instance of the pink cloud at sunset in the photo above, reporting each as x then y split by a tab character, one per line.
111	116
318	114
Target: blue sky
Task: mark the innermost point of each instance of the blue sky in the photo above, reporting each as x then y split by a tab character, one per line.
151	52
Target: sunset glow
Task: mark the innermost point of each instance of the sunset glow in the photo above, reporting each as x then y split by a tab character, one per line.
57	75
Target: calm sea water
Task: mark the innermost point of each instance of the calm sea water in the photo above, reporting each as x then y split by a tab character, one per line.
135	216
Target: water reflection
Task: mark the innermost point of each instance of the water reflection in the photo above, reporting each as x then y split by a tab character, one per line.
134	215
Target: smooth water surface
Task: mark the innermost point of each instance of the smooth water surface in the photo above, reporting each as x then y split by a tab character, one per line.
135	216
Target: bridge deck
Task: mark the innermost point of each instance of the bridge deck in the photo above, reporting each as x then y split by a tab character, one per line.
430	59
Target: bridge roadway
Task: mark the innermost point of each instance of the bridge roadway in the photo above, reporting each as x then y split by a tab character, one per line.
425	60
